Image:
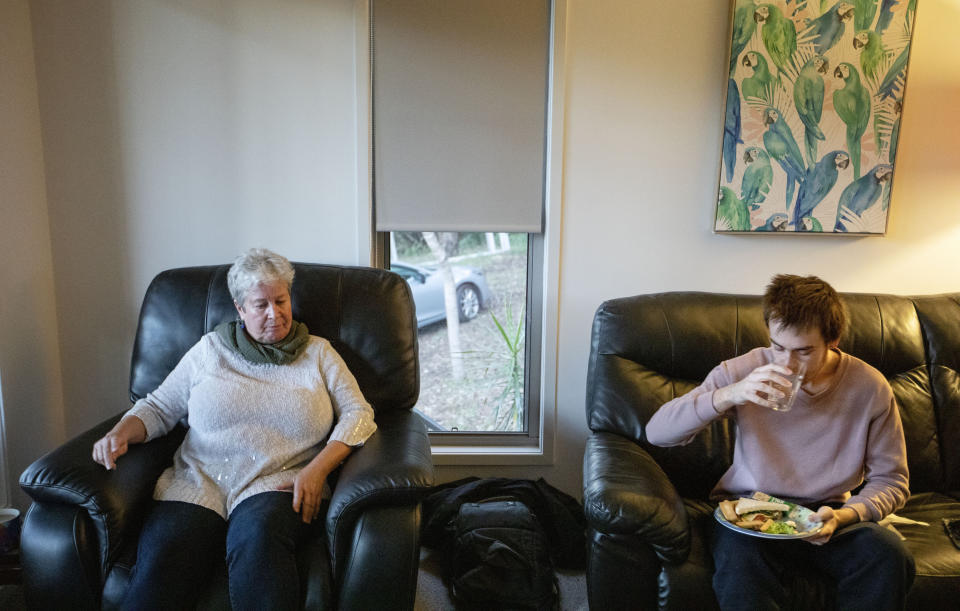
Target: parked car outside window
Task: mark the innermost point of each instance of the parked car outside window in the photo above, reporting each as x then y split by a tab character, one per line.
426	283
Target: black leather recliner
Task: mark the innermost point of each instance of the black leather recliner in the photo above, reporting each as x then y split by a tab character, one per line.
80	535
647	507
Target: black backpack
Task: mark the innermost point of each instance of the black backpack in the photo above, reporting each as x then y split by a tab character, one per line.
500	559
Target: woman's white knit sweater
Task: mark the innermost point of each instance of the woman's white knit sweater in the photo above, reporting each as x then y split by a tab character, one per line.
252	427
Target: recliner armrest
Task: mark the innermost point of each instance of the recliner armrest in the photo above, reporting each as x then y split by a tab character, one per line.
394	467
114	499
626	492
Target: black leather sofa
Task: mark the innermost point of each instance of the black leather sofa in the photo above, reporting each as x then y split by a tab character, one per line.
647	507
80	534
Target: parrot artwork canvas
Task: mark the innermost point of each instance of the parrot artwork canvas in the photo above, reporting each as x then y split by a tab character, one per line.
814	95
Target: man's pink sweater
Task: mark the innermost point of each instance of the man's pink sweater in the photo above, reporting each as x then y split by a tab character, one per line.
819	451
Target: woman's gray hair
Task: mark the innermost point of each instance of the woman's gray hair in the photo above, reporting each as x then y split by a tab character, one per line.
257	266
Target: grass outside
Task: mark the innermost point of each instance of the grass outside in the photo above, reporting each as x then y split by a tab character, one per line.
474	404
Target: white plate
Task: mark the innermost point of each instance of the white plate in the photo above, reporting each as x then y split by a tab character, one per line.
798	513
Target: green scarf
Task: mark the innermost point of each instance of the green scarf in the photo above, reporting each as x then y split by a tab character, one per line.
285	351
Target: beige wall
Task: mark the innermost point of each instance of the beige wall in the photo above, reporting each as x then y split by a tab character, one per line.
29	355
179	132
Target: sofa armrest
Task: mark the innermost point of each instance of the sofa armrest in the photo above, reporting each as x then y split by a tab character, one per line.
394	467
626	492
113	499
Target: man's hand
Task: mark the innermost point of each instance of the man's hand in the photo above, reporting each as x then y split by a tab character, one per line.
833	520
759	387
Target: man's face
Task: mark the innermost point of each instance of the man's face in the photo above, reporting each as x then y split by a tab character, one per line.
792	346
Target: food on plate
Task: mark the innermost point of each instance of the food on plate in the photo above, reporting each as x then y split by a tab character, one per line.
745	505
763	516
729	511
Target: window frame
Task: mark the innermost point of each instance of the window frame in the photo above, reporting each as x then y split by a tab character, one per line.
536	445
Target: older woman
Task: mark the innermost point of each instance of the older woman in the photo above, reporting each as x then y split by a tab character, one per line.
261	396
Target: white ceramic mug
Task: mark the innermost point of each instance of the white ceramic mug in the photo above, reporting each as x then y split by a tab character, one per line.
9	529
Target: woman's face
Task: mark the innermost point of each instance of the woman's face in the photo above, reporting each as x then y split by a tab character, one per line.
266	312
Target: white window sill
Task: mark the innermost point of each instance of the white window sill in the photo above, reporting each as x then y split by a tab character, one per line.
489	455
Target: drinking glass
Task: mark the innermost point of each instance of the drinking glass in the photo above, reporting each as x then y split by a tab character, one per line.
785	403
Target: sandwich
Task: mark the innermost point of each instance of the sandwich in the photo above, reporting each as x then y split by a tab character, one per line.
763	516
745	505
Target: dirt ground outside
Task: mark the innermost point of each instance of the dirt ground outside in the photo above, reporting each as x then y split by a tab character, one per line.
472	404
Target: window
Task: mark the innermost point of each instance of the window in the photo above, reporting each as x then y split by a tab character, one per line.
459	139
474	372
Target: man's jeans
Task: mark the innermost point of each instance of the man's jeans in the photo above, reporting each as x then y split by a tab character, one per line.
872	568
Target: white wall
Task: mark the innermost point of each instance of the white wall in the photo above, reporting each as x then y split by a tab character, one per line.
29	355
180	133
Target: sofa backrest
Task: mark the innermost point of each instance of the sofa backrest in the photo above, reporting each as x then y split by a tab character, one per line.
367	314
649	349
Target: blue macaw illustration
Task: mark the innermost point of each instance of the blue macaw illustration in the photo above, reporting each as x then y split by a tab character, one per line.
778	33
744	26
731	128
864	13
886	15
760	84
808	98
818	181
862	193
776	222
733	211
758	176
852	104
828	28
782	146
890	85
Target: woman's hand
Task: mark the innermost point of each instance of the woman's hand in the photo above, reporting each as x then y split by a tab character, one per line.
308	485
308	491
759	387
115	444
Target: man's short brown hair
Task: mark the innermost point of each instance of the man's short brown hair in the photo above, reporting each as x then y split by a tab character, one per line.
805	302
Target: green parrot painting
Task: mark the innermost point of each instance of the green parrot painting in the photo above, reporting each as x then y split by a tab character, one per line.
760	84
732	213
813	114
744	26
758	176
808	98
863	13
872	53
852	104
778	33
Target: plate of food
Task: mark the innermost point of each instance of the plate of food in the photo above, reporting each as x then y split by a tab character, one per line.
762	515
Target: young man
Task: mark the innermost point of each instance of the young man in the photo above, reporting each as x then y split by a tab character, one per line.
844	430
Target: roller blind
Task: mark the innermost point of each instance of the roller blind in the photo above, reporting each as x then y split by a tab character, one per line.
459	106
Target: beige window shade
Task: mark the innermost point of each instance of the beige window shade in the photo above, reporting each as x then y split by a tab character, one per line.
460	94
